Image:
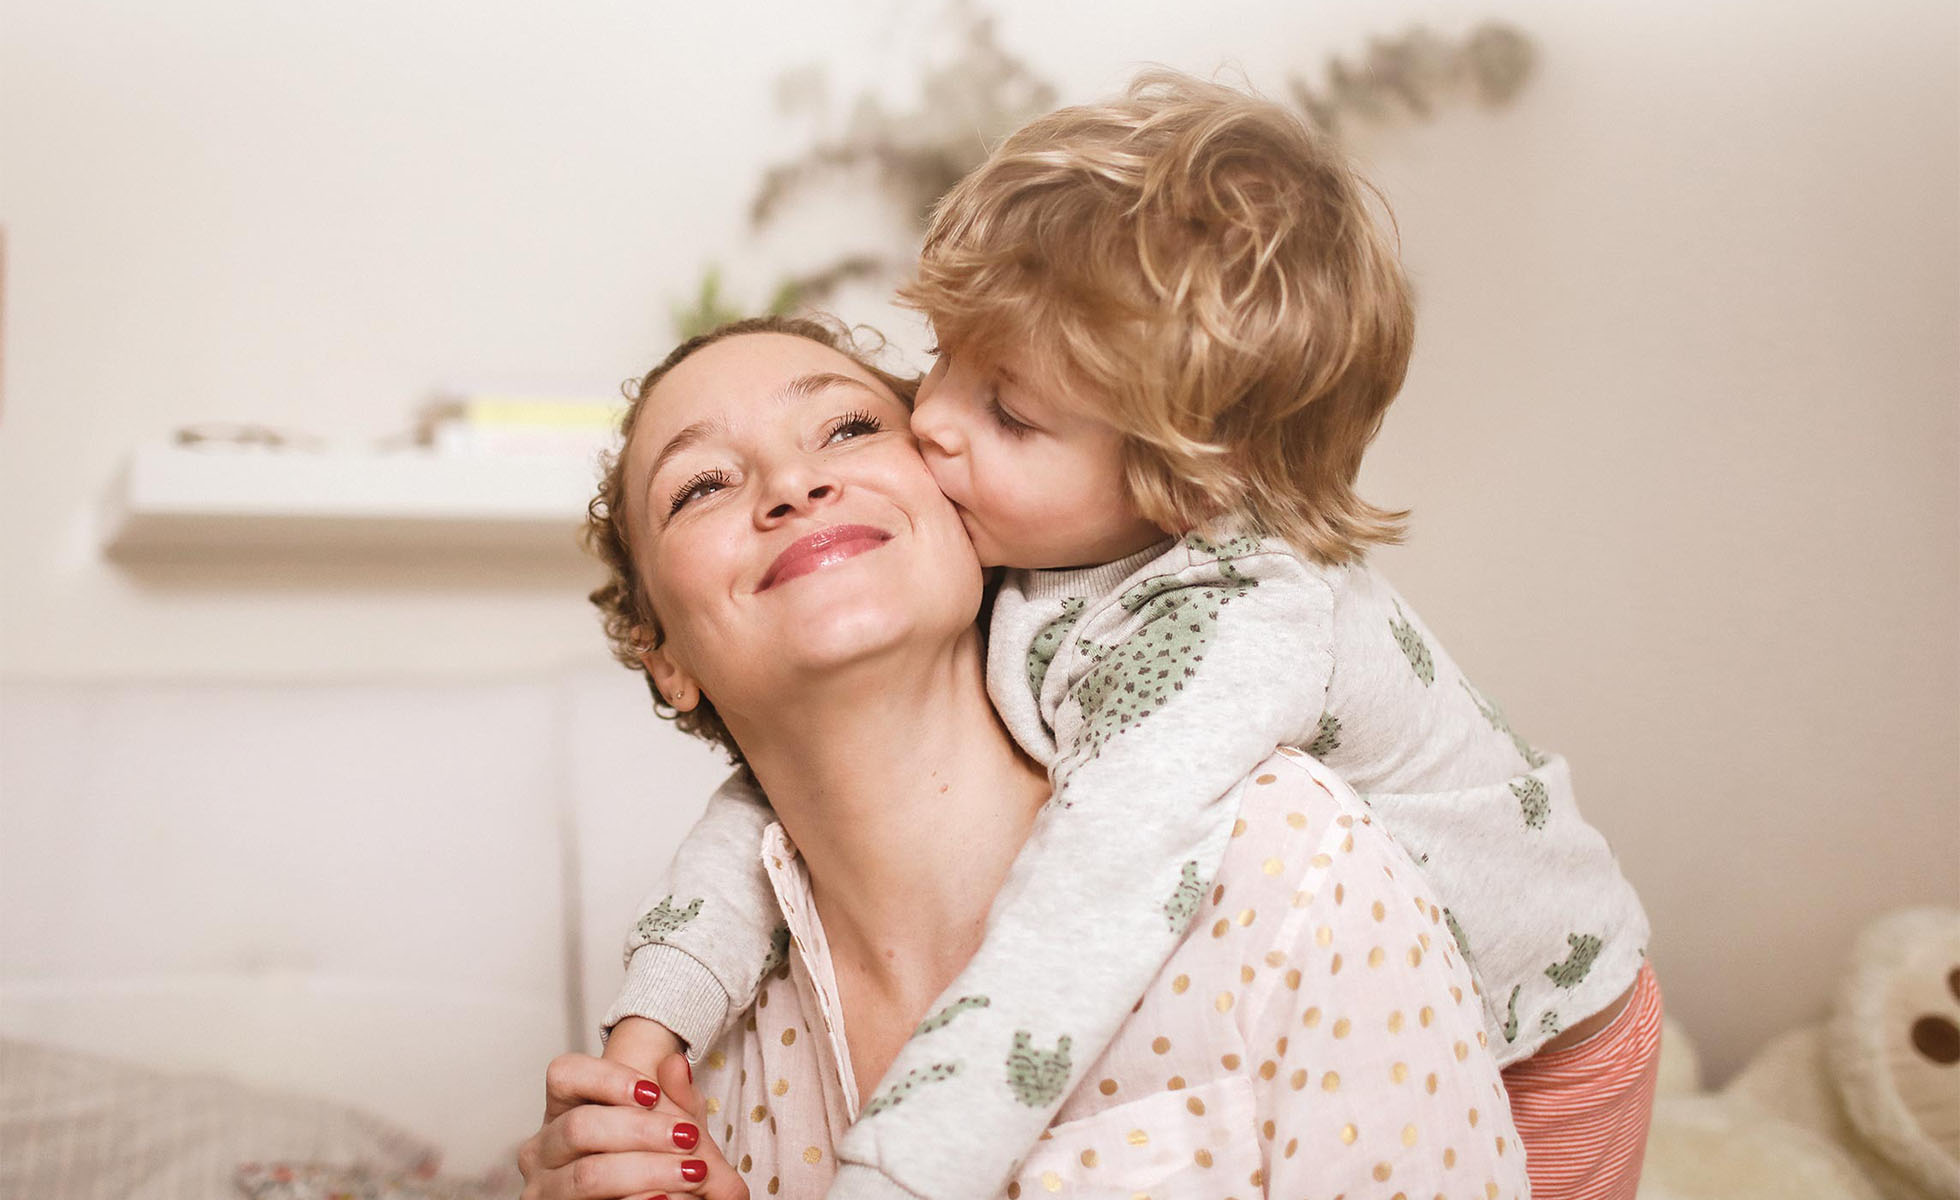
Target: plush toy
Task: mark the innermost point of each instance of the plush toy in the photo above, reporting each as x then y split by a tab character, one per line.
1863	1107
1893	1051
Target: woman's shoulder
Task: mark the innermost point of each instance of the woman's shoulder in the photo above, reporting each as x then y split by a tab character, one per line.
1289	806
1314	992
1305	849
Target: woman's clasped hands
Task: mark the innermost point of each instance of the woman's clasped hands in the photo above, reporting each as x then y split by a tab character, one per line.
610	1133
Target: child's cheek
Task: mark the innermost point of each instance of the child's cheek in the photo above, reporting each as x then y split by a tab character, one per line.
944	477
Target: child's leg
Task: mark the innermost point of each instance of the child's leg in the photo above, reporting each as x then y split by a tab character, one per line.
1583	1111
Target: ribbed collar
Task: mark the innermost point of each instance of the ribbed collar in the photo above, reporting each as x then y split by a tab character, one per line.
1087	581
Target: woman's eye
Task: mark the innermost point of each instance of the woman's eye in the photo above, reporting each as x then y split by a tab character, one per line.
707	483
853	425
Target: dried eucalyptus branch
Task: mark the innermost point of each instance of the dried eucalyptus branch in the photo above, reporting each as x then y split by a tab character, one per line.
812	287
707	310
1417	72
918	154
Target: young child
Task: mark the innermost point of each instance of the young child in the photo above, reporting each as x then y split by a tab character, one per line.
1168	328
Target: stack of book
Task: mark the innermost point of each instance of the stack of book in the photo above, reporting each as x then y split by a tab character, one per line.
502	425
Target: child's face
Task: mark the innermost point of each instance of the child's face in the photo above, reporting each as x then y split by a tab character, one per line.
1037	480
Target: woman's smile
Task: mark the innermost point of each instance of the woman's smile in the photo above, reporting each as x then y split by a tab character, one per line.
824	548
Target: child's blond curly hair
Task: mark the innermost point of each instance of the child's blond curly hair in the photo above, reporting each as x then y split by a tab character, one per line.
1210	269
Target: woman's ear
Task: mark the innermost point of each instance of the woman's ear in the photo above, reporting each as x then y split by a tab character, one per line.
676	686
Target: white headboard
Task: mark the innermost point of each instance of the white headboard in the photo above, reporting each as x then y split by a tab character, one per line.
407	896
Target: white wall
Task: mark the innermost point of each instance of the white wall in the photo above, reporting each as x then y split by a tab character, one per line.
1681	432
1681	437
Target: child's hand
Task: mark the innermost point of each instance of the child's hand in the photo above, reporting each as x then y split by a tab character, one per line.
600	1141
641	1044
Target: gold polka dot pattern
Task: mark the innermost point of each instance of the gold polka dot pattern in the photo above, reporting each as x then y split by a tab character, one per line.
1265	1059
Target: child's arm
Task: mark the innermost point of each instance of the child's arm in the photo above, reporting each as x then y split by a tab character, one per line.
706	939
641	1044
1175	690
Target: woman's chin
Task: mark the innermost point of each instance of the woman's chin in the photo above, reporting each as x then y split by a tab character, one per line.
840	635
830	623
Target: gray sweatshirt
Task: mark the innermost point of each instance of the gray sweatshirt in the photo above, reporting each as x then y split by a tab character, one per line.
1148	688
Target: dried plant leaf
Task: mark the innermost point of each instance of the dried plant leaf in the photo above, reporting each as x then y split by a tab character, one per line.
1417	73
917	154
707	311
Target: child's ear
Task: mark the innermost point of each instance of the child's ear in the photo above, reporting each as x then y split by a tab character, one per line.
675	685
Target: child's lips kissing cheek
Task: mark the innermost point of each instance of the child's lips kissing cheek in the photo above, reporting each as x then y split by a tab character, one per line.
966	519
953	493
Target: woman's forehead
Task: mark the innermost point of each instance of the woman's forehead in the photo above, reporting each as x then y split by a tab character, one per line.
747	373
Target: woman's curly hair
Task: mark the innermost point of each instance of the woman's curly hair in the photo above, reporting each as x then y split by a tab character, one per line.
630	623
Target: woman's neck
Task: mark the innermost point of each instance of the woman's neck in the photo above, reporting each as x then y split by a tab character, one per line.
908	801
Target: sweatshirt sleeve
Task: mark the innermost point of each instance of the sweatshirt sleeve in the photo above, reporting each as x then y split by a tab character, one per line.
1176	687
705	940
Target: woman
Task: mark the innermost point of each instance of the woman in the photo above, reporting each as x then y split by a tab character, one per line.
786	553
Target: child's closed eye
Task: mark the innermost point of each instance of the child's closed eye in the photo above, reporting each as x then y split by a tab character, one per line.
1009	424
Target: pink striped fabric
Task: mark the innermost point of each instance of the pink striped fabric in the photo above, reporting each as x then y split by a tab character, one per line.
1582	1112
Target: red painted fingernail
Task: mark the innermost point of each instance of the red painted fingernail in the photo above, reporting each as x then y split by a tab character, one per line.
686	1137
646	1094
694	1170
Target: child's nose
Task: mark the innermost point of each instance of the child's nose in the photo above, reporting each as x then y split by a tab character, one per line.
933	425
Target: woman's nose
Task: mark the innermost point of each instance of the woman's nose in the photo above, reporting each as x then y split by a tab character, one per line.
796	487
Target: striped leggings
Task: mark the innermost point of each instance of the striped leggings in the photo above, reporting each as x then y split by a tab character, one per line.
1582	1112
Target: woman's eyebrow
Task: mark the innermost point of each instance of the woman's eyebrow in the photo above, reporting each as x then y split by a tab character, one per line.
805	386
693	435
800	388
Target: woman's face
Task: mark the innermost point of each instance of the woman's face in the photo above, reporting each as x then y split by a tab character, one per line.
783	522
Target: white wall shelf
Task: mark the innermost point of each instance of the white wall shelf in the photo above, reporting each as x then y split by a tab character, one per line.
172	500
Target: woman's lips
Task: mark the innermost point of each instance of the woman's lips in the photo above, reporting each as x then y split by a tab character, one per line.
825	547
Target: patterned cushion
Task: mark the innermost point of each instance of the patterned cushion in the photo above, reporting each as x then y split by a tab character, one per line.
278	1181
73	1126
